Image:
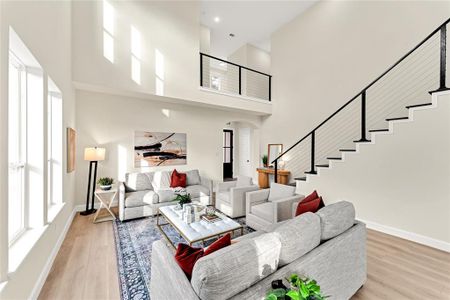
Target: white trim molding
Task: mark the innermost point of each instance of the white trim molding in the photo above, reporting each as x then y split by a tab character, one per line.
411	236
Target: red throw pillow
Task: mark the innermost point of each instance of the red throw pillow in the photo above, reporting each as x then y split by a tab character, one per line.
219	244
311	196
308	206
186	257
178	179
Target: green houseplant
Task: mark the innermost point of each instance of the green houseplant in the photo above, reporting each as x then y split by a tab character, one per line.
265	159
105	183
300	289
183	199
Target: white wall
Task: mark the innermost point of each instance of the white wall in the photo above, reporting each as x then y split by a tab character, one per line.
253	84
170	27
110	121
44	27
401	181
330	52
205	39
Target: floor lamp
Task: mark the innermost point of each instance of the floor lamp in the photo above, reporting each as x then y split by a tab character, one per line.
93	155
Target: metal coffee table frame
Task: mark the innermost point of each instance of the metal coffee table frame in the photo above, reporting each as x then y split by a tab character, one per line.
203	239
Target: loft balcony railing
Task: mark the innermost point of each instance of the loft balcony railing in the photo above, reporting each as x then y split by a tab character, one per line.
228	77
404	85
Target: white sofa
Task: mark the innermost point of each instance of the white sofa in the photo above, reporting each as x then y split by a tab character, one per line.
270	206
143	193
328	246
230	196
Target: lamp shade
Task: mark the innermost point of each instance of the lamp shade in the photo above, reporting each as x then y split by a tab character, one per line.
94	154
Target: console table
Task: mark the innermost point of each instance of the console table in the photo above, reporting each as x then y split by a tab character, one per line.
263	176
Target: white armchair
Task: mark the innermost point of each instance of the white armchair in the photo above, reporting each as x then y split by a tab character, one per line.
230	196
264	209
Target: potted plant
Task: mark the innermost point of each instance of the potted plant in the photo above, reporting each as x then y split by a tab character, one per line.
183	199
300	289
105	183
265	159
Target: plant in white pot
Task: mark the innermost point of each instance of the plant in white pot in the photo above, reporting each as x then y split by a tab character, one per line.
105	183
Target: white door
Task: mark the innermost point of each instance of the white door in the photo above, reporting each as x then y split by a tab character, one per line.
245	164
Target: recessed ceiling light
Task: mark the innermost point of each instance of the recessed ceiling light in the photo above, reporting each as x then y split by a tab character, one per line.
217	19
222	64
231	34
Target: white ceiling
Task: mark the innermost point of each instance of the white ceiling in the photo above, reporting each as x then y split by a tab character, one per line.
251	21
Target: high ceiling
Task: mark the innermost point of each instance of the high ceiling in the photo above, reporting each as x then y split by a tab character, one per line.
250	21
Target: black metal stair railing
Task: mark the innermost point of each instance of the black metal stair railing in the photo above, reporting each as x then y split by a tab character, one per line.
229	77
411	78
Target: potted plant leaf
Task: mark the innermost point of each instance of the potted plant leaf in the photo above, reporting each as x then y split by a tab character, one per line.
265	159
105	183
300	289
183	199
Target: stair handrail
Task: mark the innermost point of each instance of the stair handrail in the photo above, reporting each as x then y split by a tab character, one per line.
442	87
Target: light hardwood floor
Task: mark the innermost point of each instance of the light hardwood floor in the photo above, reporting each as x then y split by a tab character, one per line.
85	267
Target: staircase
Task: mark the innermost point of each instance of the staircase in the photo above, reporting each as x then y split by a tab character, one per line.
404	87
387	149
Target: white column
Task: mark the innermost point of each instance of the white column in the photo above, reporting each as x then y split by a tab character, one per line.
3	147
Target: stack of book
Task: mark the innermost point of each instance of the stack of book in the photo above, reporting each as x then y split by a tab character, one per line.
211	218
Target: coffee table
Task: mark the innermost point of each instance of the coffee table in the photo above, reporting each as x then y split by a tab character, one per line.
195	231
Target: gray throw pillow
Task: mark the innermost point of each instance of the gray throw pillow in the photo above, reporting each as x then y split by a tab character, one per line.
192	177
161	180
137	182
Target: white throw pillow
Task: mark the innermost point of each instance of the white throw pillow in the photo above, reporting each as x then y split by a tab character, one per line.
280	191
192	177
161	180
243	181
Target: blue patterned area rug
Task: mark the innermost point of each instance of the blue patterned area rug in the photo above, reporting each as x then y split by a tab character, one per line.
134	250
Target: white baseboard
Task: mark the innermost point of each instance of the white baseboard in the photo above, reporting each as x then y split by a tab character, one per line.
48	265
414	237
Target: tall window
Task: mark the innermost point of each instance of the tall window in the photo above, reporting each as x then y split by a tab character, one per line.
135	55
54	147
108	31
17	221
159	72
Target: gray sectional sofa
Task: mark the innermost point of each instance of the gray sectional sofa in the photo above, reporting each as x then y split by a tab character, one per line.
143	193
328	246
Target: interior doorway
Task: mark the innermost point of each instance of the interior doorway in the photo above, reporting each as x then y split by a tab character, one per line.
227	154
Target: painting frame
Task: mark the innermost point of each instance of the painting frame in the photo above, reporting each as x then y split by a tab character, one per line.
71	149
159	149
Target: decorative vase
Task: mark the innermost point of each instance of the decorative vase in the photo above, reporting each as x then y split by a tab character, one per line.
105	187
210	210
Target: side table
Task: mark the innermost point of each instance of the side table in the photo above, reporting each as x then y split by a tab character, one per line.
106	199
